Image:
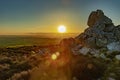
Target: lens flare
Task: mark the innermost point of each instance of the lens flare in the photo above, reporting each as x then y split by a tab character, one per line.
54	56
57	53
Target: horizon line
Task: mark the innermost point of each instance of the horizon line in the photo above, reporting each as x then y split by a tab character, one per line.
39	33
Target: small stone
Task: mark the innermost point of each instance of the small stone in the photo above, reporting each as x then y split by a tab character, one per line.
84	50
112	74
102	56
117	57
101	42
94	51
109	28
74	78
111	78
90	42
90	66
32	52
115	46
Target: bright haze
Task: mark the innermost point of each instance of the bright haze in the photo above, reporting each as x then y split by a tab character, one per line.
44	16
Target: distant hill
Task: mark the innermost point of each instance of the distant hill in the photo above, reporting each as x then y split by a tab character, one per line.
54	35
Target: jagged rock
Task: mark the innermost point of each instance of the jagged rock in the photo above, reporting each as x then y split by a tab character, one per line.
93	32
115	46
109	28
81	38
66	46
117	32
94	17
102	56
76	49
90	42
100	33
84	50
67	43
98	16
101	42
94	51
117	57
111	78
100	26
109	35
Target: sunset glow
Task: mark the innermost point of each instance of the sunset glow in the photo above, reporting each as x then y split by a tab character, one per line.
61	29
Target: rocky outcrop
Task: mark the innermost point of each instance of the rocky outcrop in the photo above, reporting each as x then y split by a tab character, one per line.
101	40
100	33
98	17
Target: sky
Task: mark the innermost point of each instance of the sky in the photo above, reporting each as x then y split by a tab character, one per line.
44	16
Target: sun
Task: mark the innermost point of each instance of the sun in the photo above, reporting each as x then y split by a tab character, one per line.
61	29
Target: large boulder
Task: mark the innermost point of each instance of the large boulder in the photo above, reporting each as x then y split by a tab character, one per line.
98	17
90	42
67	43
66	46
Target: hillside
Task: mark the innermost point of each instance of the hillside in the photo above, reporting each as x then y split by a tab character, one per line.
92	55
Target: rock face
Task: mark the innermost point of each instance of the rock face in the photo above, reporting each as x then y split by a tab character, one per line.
101	40
100	33
115	46
98	17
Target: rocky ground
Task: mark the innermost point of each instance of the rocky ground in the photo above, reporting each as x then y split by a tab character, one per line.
100	41
34	64
92	55
17	63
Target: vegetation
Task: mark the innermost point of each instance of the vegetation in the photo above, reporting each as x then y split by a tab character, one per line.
16	62
27	63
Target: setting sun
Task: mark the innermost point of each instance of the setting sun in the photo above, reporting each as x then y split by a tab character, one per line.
62	29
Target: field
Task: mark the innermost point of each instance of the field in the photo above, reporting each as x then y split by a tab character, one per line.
20	56
27	63
32	39
30	58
